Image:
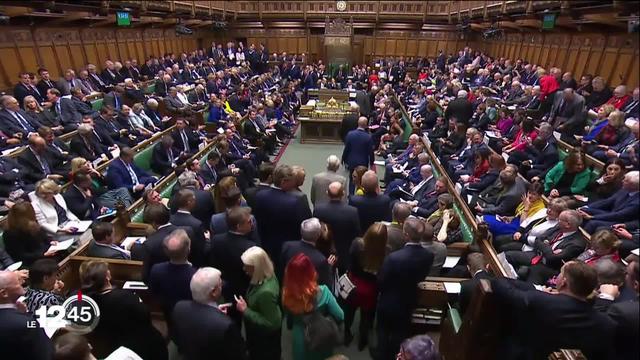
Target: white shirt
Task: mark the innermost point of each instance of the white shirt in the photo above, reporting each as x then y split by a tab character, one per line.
537	231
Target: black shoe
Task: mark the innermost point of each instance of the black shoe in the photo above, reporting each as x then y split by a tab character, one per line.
348	337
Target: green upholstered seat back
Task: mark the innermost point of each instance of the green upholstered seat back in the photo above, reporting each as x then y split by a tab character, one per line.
166	193
96	104
143	158
150	89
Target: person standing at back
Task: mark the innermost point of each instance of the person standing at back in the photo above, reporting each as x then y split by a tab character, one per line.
398	280
320	182
358	149
372	206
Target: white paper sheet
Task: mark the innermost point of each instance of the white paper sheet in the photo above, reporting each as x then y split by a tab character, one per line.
128	241
636	252
135	285
123	353
451	261
81	225
379	162
14	266
115	152
62	245
452	287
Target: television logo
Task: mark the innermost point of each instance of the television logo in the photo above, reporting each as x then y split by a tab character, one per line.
79	314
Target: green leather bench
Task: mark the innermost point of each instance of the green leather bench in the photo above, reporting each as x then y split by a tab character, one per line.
150	89
165	194
143	158
97	104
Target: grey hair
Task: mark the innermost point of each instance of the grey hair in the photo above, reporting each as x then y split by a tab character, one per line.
84	129
311	229
462	94
333	162
152	102
573	217
203	282
187	178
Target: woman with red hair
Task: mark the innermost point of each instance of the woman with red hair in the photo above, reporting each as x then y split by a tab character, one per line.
302	295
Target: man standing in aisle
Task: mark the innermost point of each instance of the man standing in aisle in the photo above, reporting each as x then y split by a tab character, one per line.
358	149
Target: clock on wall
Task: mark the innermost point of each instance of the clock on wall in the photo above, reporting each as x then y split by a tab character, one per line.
341	5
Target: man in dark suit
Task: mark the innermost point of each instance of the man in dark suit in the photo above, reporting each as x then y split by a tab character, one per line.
80	198
17	340
460	109
310	230
567	114
227	248
185	139
12	177
169	281
164	158
151	251
109	75
124	173
477	266
349	122
372	206
64	110
163	85
14	122
537	159
114	98
265	178
24	88
103	245
398	280
358	149
82	106
174	105
84	144
504	196
45	83
625	314
257	135
280	213
551	249
546	322
106	125
217	336
96	80
36	163
342	220
212	170
363	100
623	206
185	202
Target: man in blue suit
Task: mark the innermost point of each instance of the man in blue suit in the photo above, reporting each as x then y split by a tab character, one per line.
398	280
124	173
623	206
279	213
358	149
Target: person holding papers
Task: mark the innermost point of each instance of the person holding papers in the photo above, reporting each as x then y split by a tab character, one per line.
164	158
25	240
51	208
124	173
103	243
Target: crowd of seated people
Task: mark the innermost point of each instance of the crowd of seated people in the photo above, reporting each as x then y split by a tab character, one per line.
489	124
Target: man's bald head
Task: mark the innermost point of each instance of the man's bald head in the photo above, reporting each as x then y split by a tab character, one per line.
177	246
335	191
10	287
370	182
363	122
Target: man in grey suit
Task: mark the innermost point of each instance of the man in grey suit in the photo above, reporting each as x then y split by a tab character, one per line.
504	196
567	114
102	244
69	81
63	109
174	105
395	236
320	182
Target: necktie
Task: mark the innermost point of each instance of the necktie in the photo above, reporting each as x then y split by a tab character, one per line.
43	165
185	140
170	155
115	98
213	173
58	109
97	136
536	259
629	107
49	83
132	174
24	123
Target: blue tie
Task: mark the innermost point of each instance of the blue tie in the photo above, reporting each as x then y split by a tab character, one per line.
116	101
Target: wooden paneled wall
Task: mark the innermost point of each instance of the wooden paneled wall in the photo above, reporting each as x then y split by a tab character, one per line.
615	57
58	49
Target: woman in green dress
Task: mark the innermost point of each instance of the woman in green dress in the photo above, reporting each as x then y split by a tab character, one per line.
302	295
261	312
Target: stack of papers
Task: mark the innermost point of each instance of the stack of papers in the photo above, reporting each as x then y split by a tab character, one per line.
379	162
451	261
135	285
452	287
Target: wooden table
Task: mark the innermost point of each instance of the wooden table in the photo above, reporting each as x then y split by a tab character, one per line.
320	130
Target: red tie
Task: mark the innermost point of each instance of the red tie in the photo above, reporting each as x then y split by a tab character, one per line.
536	259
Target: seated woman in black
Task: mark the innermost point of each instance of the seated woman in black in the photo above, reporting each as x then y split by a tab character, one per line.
25	240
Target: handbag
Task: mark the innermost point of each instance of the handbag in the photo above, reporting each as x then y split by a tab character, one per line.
344	286
321	332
